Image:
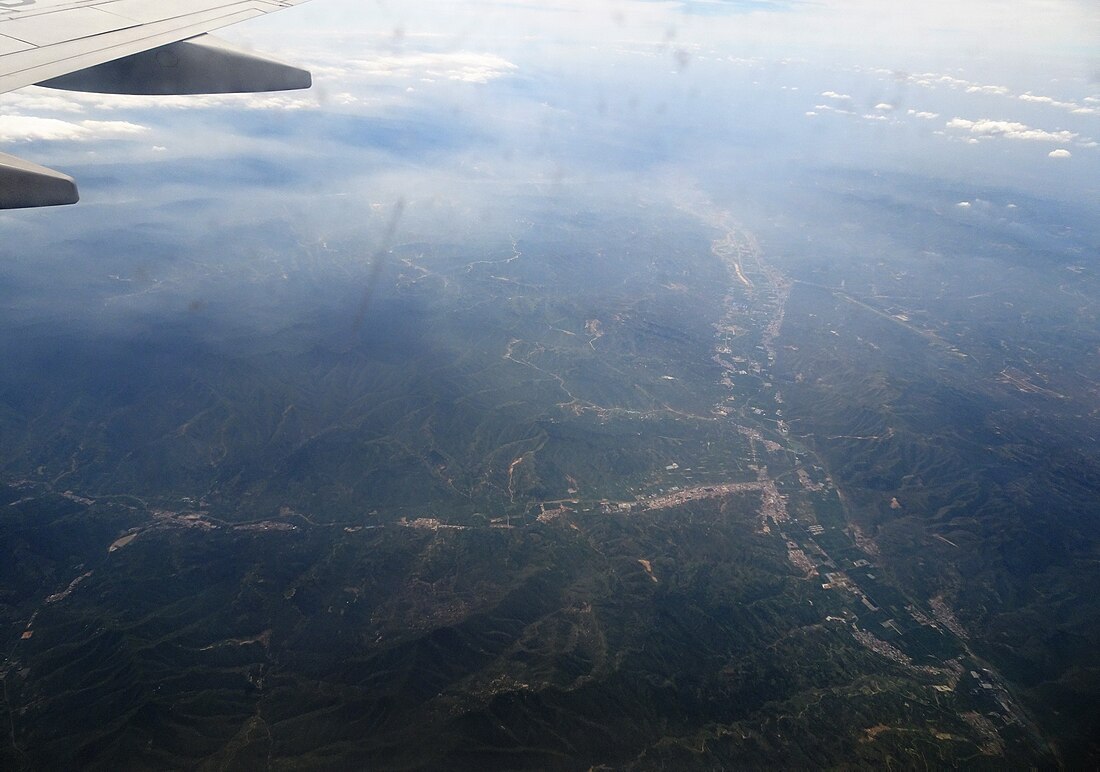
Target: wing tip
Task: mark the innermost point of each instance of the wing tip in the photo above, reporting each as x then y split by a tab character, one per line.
26	185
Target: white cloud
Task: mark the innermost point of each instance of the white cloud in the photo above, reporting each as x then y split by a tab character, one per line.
113	128
995	90
1029	97
1060	153
963	205
949	80
835	95
41	100
278	102
872	117
924	115
16	128
1045	100
19	128
831	109
463	66
1009	130
931	80
884	107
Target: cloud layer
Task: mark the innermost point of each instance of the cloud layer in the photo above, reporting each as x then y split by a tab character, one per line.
985	128
18	128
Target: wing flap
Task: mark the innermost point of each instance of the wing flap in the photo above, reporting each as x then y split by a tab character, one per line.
11	45
50	28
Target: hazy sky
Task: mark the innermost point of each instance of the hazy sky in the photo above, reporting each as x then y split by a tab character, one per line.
432	94
938	74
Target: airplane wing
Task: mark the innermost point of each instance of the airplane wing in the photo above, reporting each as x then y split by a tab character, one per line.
124	47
